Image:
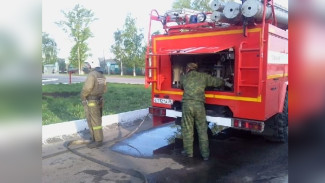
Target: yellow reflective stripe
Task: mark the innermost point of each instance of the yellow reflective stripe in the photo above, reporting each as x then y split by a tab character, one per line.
226	97
97	127
248	99
207	34
91	104
277	76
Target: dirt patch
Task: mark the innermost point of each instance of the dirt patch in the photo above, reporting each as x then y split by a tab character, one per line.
61	94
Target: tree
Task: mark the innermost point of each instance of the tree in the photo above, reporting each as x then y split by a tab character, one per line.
118	48
77	25
179	4
103	66
128	45
157	32
49	49
200	5
62	65
132	43
142	56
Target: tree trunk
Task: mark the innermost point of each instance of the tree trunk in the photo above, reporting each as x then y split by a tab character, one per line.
134	74
79	68
121	68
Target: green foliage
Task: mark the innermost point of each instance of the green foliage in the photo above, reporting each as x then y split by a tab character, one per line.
132	42
118	49
49	49
128	47
179	4
83	49
157	32
62	65
201	5
141	56
62	102
77	26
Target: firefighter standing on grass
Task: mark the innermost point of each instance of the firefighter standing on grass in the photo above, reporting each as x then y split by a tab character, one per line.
92	100
193	110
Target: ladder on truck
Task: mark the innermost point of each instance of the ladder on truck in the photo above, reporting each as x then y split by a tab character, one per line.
256	70
258	51
149	68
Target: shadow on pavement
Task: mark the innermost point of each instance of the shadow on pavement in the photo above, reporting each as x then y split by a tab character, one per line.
236	156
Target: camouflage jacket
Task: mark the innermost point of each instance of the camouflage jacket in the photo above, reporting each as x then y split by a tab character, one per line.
95	85
194	84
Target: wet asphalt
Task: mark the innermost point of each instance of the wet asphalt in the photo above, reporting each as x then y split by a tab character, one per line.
236	156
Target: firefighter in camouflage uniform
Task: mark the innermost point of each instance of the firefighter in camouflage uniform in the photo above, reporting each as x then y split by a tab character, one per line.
193	110
92	100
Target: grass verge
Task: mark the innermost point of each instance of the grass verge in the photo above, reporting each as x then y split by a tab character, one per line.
62	102
110	75
124	76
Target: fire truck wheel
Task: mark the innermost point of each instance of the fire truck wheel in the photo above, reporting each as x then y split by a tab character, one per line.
278	125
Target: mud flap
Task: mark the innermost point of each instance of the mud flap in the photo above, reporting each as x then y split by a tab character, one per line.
178	121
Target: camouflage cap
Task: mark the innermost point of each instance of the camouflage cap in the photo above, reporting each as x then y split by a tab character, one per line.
192	66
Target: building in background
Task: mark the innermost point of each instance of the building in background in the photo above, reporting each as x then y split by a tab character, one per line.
51	68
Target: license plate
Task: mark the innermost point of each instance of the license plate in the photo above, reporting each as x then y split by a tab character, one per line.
163	101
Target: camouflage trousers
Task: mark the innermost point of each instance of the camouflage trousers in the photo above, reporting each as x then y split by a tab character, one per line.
194	113
93	111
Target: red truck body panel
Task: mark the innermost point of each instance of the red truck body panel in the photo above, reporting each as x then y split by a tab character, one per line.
260	70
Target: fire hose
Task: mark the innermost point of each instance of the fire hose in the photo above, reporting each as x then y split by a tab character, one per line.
130	172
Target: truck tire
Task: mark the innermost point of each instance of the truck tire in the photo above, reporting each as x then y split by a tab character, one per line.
276	128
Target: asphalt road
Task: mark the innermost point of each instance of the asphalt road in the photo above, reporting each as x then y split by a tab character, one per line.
151	154
64	79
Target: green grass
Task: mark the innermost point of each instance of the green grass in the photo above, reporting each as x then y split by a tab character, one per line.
111	75
125	76
62	102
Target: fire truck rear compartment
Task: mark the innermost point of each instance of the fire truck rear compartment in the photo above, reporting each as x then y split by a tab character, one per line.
219	65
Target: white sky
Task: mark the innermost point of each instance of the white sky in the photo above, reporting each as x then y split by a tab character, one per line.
111	16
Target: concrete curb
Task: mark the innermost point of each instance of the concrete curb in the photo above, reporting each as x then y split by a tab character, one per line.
71	127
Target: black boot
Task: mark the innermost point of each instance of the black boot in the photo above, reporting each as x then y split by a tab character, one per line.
205	158
94	144
184	153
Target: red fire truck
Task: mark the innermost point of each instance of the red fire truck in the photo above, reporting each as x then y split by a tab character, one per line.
246	44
